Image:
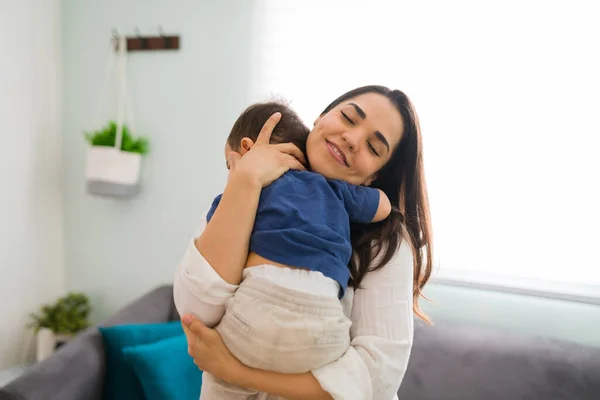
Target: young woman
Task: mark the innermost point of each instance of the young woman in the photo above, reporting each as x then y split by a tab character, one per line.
378	132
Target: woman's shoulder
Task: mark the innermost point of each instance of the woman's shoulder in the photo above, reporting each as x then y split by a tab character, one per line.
398	269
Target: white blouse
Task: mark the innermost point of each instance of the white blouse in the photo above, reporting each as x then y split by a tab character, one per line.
381	314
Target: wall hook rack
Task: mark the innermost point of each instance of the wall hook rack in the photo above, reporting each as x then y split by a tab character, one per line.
148	43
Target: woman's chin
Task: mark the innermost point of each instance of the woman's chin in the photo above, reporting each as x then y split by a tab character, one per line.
332	174
324	169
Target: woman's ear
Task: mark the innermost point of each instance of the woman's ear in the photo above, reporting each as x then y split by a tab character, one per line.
317	120
245	145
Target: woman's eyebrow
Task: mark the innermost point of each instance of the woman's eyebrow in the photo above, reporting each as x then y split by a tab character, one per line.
378	134
359	110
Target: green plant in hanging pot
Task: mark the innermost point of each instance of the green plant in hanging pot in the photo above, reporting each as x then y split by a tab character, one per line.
56	323
107	137
113	169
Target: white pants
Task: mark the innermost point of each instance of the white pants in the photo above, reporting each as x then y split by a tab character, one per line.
280	319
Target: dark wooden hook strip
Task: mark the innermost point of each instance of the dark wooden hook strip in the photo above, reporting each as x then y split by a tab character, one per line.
150	43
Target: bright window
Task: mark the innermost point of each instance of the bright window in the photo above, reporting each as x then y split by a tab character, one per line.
508	95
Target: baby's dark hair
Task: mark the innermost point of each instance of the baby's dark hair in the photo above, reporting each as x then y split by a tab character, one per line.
290	129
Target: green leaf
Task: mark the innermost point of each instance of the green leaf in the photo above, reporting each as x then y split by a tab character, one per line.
107	136
68	315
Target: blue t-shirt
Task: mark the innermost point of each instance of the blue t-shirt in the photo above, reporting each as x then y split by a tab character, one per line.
303	220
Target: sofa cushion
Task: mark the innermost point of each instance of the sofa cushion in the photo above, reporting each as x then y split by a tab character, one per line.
457	361
165	370
121	381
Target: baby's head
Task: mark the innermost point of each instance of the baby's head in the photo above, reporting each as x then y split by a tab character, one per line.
289	129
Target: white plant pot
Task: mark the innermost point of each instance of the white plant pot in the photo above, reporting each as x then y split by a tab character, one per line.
110	172
45	344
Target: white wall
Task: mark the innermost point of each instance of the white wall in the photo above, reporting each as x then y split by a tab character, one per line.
185	102
31	232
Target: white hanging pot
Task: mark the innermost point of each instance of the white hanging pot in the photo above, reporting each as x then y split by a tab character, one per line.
45	344
111	172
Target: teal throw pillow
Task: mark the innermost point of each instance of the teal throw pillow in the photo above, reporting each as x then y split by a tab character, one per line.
165	370
121	380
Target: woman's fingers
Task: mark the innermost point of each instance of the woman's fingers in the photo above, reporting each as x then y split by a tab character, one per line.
264	136
292	163
232	160
292	149
195	326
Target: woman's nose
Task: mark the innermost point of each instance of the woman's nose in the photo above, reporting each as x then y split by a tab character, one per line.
350	141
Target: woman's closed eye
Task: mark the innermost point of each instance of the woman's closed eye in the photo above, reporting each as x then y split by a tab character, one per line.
372	149
347	118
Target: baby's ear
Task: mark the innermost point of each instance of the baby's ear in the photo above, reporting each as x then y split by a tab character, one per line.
245	145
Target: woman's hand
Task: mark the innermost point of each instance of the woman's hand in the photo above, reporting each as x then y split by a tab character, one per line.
208	350
210	354
266	162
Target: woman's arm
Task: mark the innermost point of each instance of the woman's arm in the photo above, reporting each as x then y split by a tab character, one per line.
225	240
290	386
197	289
373	366
211	355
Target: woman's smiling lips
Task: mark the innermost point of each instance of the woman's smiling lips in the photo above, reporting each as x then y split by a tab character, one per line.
337	153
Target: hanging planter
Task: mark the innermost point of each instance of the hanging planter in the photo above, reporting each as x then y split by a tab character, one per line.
114	158
111	171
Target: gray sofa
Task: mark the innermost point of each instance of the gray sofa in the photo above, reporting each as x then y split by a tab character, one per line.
449	362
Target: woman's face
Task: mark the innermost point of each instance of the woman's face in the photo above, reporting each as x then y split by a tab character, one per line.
355	139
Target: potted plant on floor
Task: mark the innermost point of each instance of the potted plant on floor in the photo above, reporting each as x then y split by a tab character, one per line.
114	160
56	323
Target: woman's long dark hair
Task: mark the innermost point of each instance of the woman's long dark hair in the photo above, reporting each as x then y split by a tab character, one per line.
403	180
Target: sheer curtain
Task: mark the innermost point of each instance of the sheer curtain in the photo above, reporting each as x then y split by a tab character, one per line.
508	97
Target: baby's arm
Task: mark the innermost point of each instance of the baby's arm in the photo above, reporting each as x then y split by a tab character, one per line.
384	209
364	204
